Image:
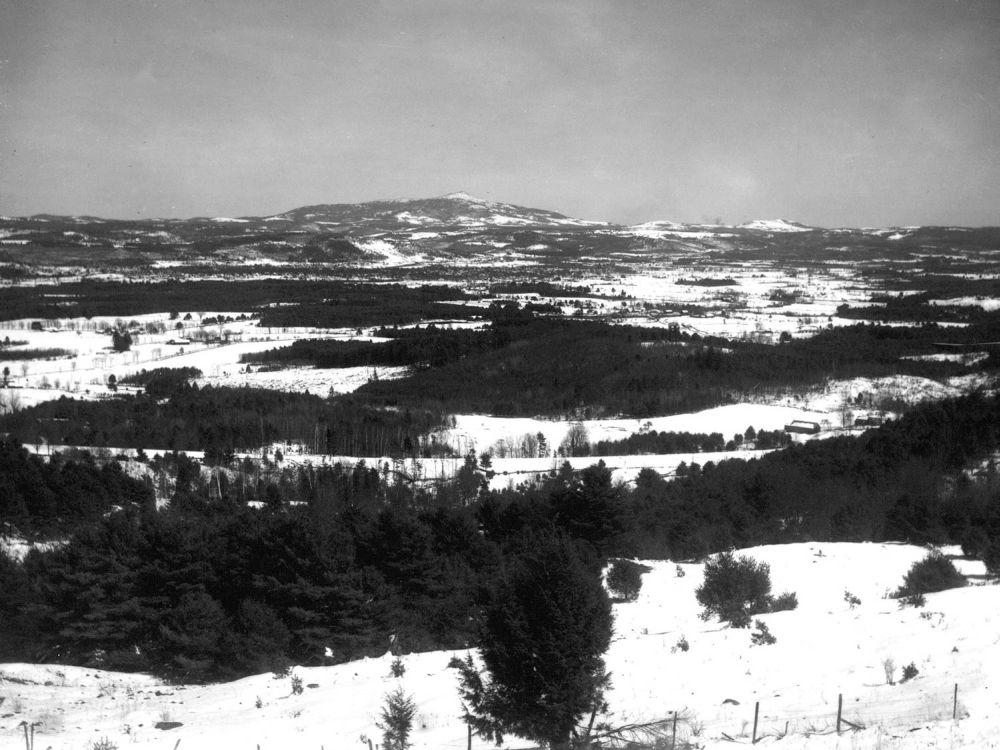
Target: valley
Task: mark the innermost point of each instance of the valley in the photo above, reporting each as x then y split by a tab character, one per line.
238	449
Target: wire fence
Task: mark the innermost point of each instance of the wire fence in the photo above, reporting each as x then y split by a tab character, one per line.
897	706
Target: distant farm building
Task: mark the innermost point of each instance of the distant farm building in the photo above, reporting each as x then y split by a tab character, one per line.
873	421
802	427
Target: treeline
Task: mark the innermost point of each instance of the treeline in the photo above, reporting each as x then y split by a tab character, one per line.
547	289
559	367
47	496
19	354
221	420
351	305
210	588
225	594
284	302
653	442
917	308
426	347
900	482
335	562
162	382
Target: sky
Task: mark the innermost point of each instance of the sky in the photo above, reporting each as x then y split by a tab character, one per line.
828	112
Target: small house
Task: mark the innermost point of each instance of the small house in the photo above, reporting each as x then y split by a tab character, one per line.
802	427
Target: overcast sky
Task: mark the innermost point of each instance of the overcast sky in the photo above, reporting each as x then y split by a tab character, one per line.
830	112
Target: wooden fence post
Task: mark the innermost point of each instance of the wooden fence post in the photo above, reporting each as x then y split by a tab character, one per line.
673	739
954	704
840	708
756	713
469	727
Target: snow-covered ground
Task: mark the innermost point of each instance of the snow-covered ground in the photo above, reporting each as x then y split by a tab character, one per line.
824	648
828	405
988	304
306	379
84	372
479	432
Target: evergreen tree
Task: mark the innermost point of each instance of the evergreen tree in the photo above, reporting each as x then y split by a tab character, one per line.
121	341
590	507
397	720
544	628
735	588
625	579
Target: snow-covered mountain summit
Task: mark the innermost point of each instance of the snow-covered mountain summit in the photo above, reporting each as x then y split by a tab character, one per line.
458	209
775	225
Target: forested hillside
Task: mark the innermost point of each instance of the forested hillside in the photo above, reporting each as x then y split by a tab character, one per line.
340	560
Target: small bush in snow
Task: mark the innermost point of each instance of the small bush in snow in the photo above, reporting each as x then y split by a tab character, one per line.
889	667
454	663
762	636
851	599
909	672
913	600
103	744
397	668
296	685
258	703
625	579
785	602
934	573
735	588
682	645
679	571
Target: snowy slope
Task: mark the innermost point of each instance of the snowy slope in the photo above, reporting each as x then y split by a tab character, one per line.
824	648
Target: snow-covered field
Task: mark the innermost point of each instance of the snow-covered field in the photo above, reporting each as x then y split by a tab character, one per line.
306	379
825	648
479	432
84	372
827	405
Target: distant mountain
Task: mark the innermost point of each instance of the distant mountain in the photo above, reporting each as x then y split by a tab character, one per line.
459	210
775	225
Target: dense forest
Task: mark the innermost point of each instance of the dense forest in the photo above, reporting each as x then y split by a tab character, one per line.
919	308
525	365
173	415
43	496
565	367
336	560
283	302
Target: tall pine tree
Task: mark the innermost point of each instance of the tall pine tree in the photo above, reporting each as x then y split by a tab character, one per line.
545	627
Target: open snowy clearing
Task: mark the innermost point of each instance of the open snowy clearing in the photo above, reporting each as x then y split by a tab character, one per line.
306	379
479	432
988	304
825	648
